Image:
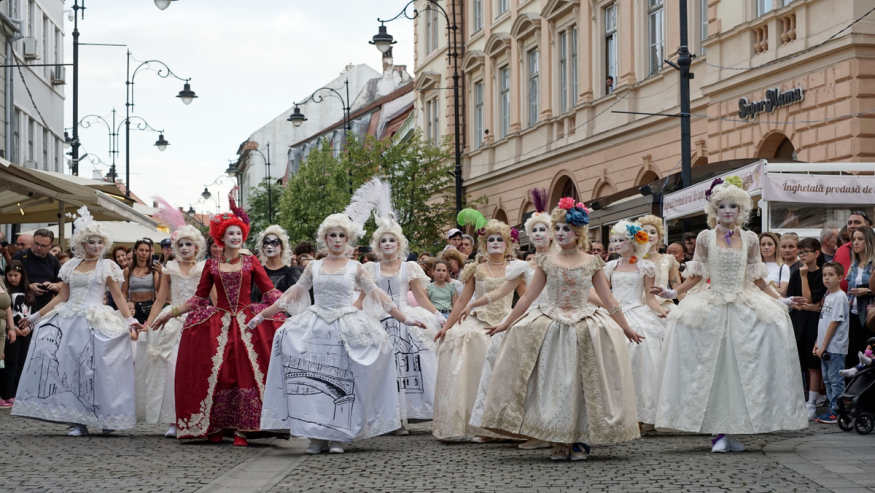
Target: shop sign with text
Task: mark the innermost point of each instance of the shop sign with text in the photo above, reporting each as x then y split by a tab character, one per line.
774	99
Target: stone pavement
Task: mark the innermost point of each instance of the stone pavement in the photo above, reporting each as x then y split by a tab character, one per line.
36	456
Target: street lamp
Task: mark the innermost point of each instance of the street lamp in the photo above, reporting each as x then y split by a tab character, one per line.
206	194
186	95
161	144
384	41
297	118
163	4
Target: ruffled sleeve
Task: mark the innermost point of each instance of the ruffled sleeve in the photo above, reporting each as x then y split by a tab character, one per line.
415	273
647	268
296	299
68	268
371	270
515	269
756	269
467	272
609	268
111	270
371	290
699	265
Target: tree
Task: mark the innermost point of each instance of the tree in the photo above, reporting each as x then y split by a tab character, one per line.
421	175
257	209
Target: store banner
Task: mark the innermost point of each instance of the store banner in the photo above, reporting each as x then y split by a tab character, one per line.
692	199
819	189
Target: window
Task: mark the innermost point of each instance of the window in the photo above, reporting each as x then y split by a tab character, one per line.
478	15
431	30
432	120
30	136
45	60
504	90
655	26
45	149
611	45
16	137
764	7
533	87
436	121
502	6
478	114
574	86
57	155
563	71
703	20
57	47
30	8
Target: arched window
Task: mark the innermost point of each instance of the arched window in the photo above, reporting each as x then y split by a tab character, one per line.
777	146
649	177
500	215
564	187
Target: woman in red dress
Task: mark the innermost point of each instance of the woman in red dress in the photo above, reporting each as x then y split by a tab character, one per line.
221	366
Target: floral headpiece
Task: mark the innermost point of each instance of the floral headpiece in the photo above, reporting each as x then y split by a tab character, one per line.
635	232
515	235
714	183
576	214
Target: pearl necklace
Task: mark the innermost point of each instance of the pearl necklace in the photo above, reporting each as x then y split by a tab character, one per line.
568	251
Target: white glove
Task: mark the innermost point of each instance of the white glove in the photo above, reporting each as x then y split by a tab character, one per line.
255	322
669	294
130	321
34	317
786	301
439	318
410	322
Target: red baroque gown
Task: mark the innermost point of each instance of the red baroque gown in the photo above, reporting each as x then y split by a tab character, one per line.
221	366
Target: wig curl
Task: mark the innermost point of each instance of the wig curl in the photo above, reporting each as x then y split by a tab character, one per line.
628	230
559	216
342	221
728	191
280	233
388	226
656	222
219	224
191	233
85	232
495	227
538	218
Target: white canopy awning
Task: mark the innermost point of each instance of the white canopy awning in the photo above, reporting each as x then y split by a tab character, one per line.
120	231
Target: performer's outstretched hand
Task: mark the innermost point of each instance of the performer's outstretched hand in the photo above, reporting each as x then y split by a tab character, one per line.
633	336
256	320
496	329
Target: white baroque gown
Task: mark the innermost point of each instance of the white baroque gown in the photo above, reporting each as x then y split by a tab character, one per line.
155	370
664	267
645	357
727	354
462	353
414	348
332	370
80	368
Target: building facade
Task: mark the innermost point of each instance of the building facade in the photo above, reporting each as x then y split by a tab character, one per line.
769	82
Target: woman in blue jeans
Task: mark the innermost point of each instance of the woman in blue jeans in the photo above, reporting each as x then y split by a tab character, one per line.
859	294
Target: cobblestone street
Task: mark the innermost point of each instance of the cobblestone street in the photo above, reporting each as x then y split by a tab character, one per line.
38	457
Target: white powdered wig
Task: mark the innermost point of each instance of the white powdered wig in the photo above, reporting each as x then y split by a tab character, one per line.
536	218
389	226
728	191
280	233
86	227
342	221
622	229
193	234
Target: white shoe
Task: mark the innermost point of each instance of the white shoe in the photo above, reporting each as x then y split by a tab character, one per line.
821	400
579	451
849	373
561	451
534	444
171	432
78	431
316	446
336	448
734	444
720	446
479	439
811	410
401	432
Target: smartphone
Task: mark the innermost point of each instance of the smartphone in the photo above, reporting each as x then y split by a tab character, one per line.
155	257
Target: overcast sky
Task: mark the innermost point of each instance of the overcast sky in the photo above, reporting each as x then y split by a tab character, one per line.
248	61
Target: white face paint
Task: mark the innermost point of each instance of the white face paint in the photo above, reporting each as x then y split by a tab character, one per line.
272	246
727	213
540	235
621	245
564	235
652	235
233	237
336	241
388	245
186	249
93	246
495	244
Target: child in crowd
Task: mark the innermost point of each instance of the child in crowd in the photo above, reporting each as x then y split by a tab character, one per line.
441	293
18	287
807	282
832	337
865	361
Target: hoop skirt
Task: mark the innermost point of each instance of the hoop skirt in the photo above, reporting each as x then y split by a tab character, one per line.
332	374
563	373
414	348
80	367
728	355
221	365
155	370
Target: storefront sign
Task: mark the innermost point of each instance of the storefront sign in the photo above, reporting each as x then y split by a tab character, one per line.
774	100
692	199
819	189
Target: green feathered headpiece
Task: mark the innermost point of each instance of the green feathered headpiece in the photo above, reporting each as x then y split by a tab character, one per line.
471	217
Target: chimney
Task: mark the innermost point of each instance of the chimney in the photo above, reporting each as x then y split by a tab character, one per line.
388	61
349	67
97	175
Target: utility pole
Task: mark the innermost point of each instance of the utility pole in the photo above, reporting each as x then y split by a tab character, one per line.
684	61
74	151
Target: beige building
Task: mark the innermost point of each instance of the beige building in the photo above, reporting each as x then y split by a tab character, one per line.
538	111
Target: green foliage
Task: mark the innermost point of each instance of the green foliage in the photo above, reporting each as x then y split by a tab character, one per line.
420	173
258	209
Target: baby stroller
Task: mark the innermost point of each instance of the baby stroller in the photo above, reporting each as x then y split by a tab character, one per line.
857	403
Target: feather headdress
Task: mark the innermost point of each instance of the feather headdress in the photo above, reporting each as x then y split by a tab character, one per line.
168	214
471	217
374	196
540	200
